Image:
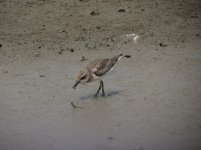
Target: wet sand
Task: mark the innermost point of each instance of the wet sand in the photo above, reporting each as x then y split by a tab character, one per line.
152	99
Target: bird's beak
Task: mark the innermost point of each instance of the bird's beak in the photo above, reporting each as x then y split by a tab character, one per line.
76	83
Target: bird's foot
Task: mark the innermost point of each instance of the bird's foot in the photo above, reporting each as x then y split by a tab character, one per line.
96	95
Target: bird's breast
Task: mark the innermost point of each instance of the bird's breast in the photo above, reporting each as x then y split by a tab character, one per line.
95	76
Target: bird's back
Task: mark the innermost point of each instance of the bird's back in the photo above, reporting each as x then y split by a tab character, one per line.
101	66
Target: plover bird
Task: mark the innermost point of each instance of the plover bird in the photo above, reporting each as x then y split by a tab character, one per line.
95	70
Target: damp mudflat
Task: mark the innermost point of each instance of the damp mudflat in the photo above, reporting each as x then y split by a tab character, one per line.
146	108
152	99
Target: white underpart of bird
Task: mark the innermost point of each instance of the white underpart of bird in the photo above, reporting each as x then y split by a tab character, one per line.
108	73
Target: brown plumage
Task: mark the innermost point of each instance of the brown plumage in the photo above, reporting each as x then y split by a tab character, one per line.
96	69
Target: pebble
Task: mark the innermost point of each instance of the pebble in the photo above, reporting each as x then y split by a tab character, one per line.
163	45
121	10
93	13
127	56
42	76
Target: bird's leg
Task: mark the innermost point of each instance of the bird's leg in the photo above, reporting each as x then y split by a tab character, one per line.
102	86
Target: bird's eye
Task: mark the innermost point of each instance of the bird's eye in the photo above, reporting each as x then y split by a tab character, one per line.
84	77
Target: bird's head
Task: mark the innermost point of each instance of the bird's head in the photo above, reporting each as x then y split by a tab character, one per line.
81	77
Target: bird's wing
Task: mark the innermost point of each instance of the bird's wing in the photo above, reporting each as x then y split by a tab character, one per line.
99	67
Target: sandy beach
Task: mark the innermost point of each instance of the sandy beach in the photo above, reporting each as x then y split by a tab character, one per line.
153	99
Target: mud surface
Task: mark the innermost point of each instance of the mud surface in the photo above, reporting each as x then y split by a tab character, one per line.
153	98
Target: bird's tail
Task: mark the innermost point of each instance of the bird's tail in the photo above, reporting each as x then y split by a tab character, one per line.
117	57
